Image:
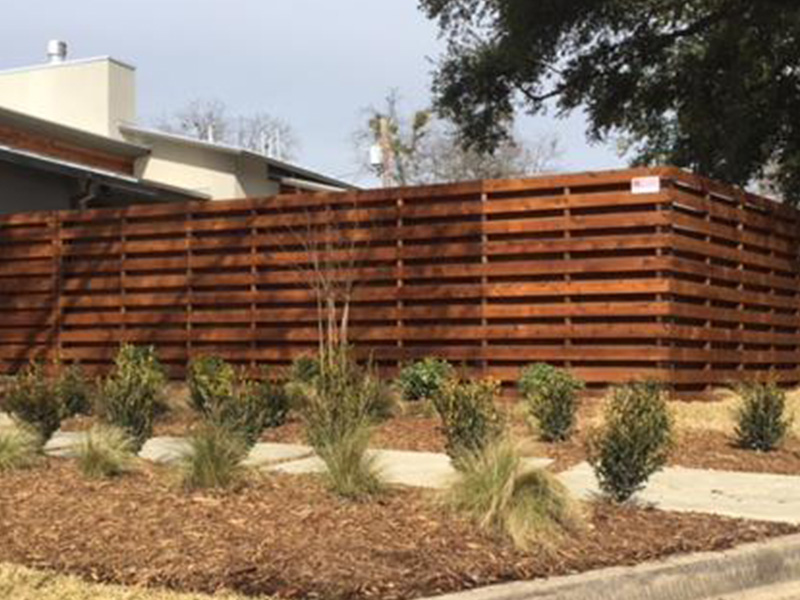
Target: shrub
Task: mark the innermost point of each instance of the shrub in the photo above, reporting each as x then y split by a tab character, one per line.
761	419
74	391
106	452
552	398
336	410
32	399
211	381
470	419
634	441
422	380
214	459
304	369
230	400
131	394
528	506
20	446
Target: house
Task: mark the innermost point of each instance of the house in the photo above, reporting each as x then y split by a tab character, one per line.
69	138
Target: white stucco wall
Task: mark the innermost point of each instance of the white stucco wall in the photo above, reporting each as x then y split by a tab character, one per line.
95	95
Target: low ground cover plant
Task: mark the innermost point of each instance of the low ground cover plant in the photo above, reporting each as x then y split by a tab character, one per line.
33	399
531	507
422	380
634	441
551	395
132	394
470	418
231	400
106	452
762	421
337	409
20	446
213	459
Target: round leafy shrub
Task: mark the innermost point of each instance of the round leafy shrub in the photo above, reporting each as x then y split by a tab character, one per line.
469	416
552	398
634	441
210	380
32	399
422	380
761	419
132	393
229	399
75	391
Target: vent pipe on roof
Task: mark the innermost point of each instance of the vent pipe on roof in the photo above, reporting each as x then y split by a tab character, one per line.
56	51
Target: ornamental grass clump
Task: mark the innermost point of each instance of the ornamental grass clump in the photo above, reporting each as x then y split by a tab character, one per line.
761	416
528	506
132	393
20	447
214	459
32	399
337	409
551	396
423	379
470	418
229	399
634	441
106	452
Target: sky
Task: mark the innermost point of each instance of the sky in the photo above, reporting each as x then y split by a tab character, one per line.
318	64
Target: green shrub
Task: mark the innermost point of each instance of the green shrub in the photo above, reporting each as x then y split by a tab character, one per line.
304	369
528	506
31	398
20	446
213	459
131	394
336	409
552	398
211	381
106	452
247	406
422	380
634	441
761	419
470	419
74	390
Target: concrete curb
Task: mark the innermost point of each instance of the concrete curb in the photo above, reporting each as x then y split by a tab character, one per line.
690	577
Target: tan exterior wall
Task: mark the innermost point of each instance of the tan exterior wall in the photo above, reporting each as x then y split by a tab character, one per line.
94	95
208	171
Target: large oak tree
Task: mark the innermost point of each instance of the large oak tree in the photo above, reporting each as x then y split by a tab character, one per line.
713	85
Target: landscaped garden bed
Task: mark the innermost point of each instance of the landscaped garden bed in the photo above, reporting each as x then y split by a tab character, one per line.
289	536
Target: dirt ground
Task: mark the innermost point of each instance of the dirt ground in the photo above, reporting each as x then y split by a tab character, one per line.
287	536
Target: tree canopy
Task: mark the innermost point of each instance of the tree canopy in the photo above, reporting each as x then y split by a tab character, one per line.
712	85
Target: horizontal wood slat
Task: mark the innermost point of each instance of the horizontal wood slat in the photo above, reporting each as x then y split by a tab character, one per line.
694	285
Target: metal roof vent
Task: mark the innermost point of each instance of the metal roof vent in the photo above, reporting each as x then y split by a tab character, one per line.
56	51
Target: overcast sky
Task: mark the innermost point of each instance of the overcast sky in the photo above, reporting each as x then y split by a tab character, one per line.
315	63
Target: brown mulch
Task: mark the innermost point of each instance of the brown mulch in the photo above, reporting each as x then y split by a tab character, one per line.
289	537
715	450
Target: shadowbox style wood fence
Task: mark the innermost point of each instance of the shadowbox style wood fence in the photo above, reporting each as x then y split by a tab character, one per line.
695	283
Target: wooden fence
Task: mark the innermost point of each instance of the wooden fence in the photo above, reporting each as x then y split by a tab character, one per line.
695	284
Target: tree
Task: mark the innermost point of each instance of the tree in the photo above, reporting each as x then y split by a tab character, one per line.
425	150
712	85
209	120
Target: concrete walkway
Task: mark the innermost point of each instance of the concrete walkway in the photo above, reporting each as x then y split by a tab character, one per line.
758	496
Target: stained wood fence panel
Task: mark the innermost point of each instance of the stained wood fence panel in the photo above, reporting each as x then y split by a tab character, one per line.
696	285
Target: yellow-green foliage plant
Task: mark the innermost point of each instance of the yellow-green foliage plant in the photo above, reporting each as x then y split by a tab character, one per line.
20	447
528	506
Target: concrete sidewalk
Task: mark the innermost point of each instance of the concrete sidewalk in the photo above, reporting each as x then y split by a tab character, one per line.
757	496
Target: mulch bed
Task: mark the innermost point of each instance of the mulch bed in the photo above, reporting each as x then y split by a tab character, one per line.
288	536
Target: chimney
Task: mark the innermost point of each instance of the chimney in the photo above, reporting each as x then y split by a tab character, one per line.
56	51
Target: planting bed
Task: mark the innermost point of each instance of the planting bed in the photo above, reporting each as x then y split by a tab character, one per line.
288	536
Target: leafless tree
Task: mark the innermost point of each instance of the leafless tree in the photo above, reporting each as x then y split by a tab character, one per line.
209	120
427	150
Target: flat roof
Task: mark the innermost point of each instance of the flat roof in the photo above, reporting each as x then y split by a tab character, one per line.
67	63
